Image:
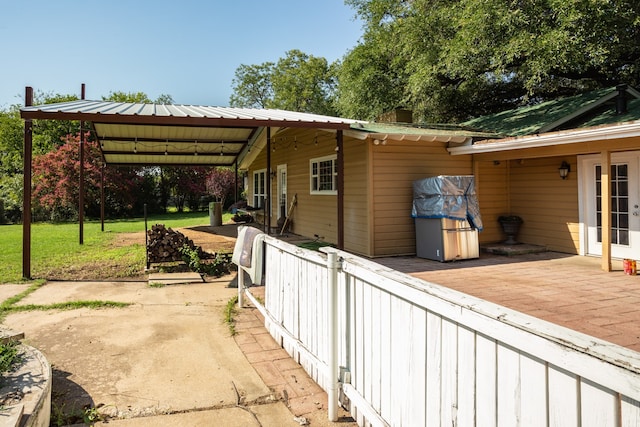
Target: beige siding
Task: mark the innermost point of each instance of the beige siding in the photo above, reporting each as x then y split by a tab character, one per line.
492	187
395	166
317	214
547	204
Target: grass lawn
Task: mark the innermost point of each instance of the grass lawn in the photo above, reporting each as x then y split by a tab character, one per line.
56	252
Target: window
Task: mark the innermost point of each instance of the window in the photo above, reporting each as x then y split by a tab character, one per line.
259	188
324	173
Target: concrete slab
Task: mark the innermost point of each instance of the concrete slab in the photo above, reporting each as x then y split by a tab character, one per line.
175	278
273	414
169	352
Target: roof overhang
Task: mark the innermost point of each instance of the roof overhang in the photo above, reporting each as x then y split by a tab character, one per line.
575	136
186	135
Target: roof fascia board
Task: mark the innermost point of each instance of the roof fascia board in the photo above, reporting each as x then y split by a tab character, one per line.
626	130
179	121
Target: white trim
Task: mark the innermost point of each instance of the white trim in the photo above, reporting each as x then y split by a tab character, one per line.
253	185
617	131
334	191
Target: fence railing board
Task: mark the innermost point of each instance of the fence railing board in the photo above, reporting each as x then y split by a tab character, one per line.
421	354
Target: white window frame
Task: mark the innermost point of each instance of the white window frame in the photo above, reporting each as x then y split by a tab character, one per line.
259	197
314	179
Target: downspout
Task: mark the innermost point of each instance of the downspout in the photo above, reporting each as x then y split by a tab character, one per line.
340	185
26	188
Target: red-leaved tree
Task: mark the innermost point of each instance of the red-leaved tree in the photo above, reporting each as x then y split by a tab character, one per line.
221	183
56	182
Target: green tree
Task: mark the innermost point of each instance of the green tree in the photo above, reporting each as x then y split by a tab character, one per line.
252	86
449	60
297	82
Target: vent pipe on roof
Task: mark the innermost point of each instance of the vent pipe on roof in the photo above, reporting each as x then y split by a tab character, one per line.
621	100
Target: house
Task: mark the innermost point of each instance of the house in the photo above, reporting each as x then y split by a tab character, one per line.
380	163
515	157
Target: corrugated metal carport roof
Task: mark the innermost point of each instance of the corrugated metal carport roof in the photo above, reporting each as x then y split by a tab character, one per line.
153	134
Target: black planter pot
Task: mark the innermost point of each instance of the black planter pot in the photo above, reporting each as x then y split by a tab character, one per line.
510	227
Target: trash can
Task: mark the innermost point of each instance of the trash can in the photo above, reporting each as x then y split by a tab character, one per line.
215	214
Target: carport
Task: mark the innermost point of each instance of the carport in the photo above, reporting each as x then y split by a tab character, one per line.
135	134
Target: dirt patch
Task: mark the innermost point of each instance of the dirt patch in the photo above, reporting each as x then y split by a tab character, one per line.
128	239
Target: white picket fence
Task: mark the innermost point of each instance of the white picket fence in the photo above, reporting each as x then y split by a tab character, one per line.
412	353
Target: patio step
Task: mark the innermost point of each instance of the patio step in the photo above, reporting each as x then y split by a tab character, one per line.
510	250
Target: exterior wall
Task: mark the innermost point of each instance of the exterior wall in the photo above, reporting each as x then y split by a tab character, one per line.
317	214
492	187
547	204
532	189
395	166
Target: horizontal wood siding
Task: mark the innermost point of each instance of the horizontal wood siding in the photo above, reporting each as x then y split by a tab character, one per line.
317	214
395	166
492	188
357	215
547	204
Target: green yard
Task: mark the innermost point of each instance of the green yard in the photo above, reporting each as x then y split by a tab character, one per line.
56	252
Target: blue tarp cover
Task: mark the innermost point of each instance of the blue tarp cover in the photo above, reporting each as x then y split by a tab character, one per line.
447	196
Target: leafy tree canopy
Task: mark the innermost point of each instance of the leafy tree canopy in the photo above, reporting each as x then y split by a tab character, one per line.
450	60
297	82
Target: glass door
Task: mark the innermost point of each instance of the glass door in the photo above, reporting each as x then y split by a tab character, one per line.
625	205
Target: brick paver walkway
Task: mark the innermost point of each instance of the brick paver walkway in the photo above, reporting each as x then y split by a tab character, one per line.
283	375
571	291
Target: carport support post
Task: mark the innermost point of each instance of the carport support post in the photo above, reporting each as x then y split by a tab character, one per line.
340	185
267	202
26	188
81	188
332	389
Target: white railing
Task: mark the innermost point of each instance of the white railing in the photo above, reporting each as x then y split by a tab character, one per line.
412	353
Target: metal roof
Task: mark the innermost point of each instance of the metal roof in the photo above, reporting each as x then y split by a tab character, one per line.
153	134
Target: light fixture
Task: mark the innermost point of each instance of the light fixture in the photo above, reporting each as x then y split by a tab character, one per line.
135	146
564	170
195	153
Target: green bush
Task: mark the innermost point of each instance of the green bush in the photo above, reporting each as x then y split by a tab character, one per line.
216	266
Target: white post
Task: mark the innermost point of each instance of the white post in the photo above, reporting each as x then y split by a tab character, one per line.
240	278
332	389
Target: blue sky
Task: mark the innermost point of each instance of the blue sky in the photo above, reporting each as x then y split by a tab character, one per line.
188	49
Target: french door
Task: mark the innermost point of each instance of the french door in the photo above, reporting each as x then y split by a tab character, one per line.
625	204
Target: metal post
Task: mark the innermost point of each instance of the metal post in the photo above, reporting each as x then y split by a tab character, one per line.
102	197
240	287
26	188
81	189
267	204
146	238
332	389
